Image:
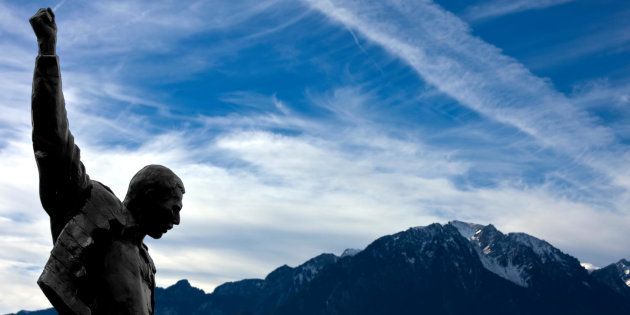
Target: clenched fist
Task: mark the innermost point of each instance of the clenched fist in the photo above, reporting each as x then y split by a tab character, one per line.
45	28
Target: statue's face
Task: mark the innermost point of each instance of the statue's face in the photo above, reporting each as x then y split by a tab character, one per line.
162	214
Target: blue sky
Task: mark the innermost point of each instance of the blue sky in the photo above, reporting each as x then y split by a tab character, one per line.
302	127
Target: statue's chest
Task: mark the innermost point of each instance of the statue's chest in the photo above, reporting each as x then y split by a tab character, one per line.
132	263
136	259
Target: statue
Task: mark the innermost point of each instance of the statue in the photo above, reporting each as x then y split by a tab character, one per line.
99	263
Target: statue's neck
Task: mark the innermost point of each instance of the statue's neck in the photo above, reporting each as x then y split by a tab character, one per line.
133	230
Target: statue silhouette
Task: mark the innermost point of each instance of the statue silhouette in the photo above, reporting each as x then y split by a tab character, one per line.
99	263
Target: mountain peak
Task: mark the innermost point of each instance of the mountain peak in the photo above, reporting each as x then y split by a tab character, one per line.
467	230
181	285
624	270
308	270
517	257
616	276
181	293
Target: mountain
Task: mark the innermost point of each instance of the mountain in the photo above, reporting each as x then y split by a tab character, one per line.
455	268
616	276
180	298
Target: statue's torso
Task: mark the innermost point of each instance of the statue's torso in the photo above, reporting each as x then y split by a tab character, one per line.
98	265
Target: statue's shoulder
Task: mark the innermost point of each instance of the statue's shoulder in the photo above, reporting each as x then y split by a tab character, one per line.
102	207
103	186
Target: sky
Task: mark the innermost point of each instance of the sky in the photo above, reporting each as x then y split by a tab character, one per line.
305	126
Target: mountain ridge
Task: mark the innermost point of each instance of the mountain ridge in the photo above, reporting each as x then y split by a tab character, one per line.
453	268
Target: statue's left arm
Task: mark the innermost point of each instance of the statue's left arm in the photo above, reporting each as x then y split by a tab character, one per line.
63	182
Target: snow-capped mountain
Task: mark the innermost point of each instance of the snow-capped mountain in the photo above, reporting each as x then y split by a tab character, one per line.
455	268
519	257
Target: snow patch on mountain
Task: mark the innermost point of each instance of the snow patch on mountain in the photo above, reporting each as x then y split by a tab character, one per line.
467	230
513	273
510	272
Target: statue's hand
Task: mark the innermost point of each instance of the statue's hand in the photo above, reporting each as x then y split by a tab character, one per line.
45	28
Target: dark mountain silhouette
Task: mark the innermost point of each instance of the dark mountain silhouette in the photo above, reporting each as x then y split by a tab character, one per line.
616	276
456	268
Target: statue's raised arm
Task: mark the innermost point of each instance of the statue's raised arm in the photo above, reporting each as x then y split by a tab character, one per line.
63	183
99	263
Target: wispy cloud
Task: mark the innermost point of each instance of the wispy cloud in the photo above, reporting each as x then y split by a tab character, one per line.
603	39
441	49
125	26
495	8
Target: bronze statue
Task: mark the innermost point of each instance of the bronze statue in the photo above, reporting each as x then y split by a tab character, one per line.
99	263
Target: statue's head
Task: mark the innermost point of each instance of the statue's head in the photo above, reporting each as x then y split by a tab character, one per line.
154	198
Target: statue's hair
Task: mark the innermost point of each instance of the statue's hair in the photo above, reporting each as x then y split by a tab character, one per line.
151	179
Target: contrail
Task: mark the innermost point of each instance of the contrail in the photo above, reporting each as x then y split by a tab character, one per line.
55	8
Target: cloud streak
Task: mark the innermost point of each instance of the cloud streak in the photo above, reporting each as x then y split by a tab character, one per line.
496	8
441	49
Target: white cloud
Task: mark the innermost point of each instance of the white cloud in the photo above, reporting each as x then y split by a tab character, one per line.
494	8
140	26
